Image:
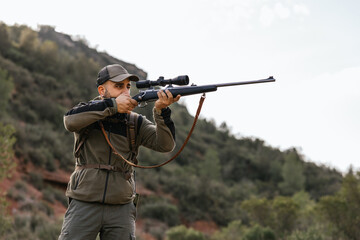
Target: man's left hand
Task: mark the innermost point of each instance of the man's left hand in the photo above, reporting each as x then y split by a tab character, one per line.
165	100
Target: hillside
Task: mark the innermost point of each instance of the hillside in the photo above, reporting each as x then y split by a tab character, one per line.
211	186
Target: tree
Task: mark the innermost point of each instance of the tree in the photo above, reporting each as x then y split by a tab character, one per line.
259	233
293	174
210	167
6	87
7	141
286	214
28	41
259	211
183	233
306	214
5	42
343	209
7	164
234	231
279	214
48	52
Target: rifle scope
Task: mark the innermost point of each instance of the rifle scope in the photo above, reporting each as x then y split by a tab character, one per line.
180	80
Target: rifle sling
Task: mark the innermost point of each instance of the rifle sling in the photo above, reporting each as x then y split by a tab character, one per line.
132	121
202	98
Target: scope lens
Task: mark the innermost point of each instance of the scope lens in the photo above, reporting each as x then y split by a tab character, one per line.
180	80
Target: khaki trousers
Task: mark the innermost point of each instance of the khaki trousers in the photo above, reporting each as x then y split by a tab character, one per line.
84	221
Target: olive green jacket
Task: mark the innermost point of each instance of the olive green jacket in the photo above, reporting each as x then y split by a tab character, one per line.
101	185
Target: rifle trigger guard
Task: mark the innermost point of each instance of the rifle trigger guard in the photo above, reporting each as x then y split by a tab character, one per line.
142	104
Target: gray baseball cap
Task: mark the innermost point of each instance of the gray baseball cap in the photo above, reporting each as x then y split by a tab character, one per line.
114	73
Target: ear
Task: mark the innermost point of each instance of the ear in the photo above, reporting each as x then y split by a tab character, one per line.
101	90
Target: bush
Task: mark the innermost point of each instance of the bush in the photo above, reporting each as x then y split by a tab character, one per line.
5	219
36	180
309	234
234	231
34	226
162	211
183	233
259	233
237	231
7	141
51	194
48	231
343	209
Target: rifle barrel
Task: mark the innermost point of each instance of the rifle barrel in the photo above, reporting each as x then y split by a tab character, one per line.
269	79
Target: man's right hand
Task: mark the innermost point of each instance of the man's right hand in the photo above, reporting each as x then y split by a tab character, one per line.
125	104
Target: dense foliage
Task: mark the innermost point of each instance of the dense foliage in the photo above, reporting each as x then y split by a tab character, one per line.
246	187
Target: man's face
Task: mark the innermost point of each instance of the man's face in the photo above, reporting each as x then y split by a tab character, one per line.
114	89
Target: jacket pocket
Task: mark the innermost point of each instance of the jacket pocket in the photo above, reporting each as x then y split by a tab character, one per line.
77	178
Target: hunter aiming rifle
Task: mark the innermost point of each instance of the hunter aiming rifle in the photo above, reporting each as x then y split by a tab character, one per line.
151	95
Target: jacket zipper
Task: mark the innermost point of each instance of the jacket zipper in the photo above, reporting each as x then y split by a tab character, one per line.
107	174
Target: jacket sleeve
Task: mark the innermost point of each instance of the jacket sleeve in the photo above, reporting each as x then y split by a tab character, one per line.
85	114
161	136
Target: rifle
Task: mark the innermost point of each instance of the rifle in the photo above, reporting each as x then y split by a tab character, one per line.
151	94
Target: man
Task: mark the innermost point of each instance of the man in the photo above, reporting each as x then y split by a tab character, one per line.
101	190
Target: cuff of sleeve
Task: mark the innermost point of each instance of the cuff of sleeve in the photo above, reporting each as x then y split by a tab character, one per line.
157	111
165	112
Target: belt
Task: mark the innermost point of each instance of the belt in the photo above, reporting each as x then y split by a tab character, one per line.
126	174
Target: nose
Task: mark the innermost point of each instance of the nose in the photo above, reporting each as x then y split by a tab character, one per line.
125	92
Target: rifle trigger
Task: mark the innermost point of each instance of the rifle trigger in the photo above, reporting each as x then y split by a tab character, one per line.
142	104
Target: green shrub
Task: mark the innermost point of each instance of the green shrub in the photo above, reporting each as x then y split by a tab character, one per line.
343	209
259	233
309	234
36	180
162	211
34	226
51	194
20	186
234	231
183	233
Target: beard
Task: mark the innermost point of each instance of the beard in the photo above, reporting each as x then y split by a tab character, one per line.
107	94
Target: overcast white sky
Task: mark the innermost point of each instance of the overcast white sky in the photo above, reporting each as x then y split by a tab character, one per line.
310	47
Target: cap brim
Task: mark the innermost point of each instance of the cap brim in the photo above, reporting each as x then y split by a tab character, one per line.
122	77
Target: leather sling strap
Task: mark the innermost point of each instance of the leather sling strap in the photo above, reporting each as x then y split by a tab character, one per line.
166	162
132	121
